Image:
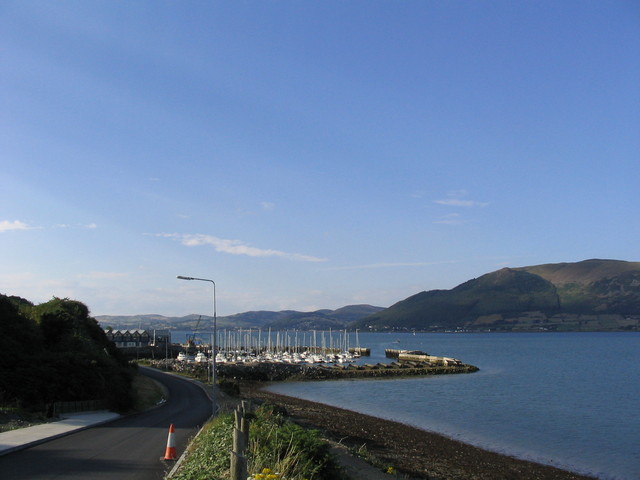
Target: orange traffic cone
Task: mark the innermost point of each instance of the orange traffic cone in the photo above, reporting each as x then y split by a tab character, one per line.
170	453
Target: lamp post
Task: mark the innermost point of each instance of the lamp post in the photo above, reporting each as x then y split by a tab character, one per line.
214	405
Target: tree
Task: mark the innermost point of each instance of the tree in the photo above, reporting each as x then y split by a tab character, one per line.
58	352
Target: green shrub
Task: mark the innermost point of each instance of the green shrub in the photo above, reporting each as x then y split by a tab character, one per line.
208	457
293	452
284	447
56	352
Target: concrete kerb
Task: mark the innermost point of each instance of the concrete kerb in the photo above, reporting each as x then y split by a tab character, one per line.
20	439
354	466
207	391
27	437
23	438
182	457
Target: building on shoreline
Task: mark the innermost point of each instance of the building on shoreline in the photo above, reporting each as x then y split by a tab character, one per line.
138	337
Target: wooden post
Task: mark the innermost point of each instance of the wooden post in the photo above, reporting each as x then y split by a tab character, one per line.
244	429
244	421
238	467
240	443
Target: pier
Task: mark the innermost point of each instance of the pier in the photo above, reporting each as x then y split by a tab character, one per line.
421	357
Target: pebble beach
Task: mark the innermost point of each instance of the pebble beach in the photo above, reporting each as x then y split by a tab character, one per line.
412	452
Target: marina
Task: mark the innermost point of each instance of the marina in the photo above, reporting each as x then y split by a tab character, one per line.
256	346
254	355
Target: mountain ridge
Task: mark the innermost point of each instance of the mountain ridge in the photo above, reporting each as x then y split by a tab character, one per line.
285	319
583	272
591	295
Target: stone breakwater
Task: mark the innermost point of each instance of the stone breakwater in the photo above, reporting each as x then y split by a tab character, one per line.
273	371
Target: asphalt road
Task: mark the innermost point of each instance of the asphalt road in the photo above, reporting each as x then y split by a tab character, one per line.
128	448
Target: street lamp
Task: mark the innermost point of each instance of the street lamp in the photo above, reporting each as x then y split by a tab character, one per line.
215	336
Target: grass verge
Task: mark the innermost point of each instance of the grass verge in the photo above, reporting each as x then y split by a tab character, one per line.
275	444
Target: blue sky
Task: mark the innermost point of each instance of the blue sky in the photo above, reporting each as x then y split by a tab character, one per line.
309	155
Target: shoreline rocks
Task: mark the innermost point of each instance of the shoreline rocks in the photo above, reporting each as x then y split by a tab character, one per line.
420	454
272	371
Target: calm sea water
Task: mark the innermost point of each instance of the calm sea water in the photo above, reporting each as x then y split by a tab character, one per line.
565	399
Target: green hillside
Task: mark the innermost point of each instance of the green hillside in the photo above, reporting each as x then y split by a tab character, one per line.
55	352
595	286
588	295
585	272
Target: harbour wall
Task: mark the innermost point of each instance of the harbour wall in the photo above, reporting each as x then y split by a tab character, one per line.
275	371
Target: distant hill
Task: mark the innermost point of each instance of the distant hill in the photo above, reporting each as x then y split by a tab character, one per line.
592	295
588	295
595	286
585	272
324	319
284	320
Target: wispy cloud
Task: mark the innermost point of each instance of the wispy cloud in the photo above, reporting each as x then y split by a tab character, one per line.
390	265
264	207
7	226
235	247
456	202
79	225
451	219
456	198
103	275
